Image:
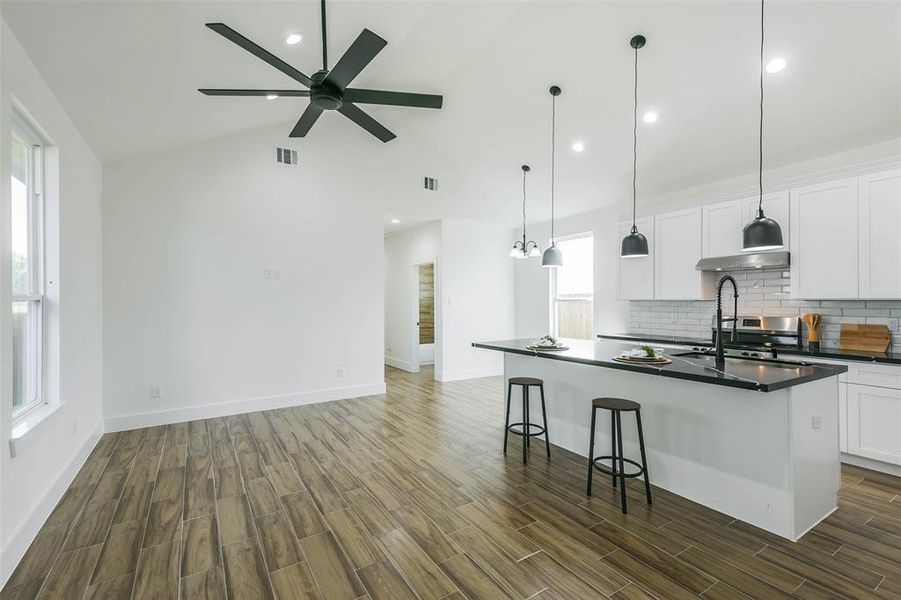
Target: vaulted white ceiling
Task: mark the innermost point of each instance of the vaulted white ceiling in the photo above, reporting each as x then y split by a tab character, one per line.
127	72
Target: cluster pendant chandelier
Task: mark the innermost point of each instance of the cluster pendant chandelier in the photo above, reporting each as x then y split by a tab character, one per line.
762	233
524	249
635	245
552	257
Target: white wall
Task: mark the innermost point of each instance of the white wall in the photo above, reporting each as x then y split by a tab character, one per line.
533	282
477	297
402	251
50	454
188	235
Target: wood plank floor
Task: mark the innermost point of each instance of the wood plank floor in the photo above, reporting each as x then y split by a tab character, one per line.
409	496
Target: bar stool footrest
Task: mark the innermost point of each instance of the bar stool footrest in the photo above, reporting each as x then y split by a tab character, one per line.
607	471
540	429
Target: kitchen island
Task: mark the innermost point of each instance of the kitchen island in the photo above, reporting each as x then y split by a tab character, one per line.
758	440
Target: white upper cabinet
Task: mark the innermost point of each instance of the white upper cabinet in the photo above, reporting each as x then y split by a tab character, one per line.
824	240
722	225
636	275
880	235
775	206
677	248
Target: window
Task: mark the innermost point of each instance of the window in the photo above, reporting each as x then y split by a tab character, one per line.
27	233
572	289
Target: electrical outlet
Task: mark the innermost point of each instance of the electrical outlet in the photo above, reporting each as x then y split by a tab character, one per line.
816	422
272	274
893	324
340	372
155	391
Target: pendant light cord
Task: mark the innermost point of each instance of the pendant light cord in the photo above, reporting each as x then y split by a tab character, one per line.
635	143
324	38
553	156
760	148
524	209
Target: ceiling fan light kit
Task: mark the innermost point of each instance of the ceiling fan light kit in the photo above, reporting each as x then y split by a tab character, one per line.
635	245
552	256
762	233
328	88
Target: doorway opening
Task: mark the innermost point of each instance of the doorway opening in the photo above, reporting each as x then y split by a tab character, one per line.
425	314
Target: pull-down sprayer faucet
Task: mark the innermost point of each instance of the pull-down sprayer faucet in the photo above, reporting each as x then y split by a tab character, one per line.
720	353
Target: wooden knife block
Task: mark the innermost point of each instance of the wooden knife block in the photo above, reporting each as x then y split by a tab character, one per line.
866	338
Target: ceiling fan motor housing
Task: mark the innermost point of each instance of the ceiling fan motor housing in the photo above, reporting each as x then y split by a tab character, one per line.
323	95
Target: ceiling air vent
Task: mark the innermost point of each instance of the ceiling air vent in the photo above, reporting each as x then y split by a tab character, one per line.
430	183
286	156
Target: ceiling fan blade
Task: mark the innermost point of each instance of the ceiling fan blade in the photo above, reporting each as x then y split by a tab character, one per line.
232	92
393	98
261	53
360	54
352	112
306	121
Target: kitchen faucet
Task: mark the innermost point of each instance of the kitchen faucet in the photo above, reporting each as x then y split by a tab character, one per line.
720	353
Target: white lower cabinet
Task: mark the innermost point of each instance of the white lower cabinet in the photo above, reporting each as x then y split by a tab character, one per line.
843	417
874	422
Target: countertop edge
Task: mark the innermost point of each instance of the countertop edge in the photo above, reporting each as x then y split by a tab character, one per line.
827	354
828	370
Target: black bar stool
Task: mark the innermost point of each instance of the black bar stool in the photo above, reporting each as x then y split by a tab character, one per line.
616	406
525	428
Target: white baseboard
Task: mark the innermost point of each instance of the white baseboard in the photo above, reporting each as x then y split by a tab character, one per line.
18	543
873	465
445	376
209	411
403	365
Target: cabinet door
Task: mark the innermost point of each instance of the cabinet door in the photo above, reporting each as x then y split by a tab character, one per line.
721	226
873	417
636	275
775	206
842	416
677	249
880	235
824	240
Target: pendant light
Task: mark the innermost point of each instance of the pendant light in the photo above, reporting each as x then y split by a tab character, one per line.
762	233
552	257
635	245
523	249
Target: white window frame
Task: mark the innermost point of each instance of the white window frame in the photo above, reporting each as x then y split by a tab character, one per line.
552	282
24	132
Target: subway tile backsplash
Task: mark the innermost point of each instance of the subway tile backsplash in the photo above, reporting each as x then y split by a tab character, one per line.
760	292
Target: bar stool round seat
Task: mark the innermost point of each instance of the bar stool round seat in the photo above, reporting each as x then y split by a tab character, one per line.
526	429
615	404
618	461
526	381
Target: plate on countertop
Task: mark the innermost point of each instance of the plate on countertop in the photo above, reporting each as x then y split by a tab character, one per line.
656	361
536	347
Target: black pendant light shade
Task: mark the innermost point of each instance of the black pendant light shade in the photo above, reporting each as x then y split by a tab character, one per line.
552	256
635	245
762	233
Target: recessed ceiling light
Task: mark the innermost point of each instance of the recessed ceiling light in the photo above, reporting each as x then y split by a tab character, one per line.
293	38
578	147
650	117
395	221
775	65
271	96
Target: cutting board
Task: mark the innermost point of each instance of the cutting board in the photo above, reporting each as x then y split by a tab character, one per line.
868	338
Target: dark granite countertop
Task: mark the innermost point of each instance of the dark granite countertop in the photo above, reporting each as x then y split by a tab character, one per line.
745	373
891	358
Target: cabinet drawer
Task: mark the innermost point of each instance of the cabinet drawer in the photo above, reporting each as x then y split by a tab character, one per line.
888	376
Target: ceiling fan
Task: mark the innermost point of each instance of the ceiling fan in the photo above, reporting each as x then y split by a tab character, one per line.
328	88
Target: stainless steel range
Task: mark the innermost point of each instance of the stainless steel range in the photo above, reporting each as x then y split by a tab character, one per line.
759	336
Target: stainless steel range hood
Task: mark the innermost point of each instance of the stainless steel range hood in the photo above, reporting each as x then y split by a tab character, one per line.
745	262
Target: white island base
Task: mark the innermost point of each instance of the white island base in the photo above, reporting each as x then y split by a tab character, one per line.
770	459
